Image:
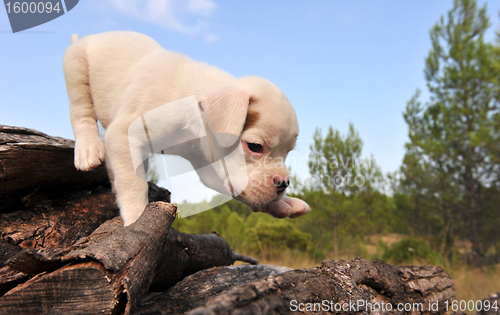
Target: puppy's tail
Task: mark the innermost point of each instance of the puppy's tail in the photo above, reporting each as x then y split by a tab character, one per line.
73	38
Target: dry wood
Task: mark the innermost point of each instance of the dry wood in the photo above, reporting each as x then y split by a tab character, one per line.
127	259
147	254
47	205
41	214
55	221
338	282
197	289
82	288
31	160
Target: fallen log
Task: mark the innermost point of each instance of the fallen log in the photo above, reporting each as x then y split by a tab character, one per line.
341	287
113	268
35	166
32	161
199	288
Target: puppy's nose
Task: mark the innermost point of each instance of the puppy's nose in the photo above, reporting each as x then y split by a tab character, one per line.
281	183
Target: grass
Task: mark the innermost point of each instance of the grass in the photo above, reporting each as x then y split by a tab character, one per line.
475	283
287	258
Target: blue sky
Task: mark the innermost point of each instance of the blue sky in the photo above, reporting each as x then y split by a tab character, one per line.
337	61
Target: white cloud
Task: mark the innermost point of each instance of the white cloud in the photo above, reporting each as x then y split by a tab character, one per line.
189	17
211	38
202	7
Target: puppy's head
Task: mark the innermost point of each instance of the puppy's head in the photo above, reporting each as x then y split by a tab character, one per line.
265	121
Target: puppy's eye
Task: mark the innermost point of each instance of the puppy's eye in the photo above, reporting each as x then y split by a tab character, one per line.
254	147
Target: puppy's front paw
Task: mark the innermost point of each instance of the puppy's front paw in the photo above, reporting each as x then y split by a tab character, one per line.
89	153
288	207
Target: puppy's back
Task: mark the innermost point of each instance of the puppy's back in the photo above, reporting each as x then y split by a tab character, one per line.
128	70
111	59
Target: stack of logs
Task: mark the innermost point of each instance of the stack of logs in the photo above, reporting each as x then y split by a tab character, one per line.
64	250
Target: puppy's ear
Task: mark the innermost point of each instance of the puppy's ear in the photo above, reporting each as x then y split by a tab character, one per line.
226	109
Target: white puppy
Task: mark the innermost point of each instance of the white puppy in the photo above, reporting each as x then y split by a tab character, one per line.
116	77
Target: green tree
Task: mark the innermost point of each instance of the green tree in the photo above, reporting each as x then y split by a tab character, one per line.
452	157
338	176
335	163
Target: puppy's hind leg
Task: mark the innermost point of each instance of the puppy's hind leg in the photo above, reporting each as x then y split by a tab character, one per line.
89	148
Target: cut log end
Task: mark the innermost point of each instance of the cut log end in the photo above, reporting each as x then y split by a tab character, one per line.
85	287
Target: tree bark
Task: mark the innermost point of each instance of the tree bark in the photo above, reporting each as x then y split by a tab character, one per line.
199	288
50	261
32	161
228	290
113	268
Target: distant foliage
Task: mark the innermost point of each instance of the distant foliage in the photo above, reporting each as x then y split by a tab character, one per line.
275	236
249	232
412	250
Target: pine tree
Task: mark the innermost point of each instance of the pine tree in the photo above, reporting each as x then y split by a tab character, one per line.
452	160
338	176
